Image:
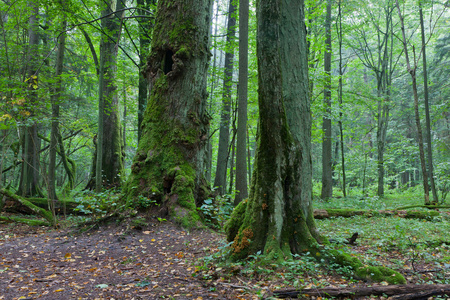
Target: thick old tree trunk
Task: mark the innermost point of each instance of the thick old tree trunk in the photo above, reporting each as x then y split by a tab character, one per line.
278	218
170	160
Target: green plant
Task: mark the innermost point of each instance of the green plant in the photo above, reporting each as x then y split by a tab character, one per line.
98	204
216	211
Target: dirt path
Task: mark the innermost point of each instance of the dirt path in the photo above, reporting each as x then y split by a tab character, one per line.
156	262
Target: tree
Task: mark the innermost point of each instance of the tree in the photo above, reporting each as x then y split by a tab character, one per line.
170	160
109	164
220	180
145	25
29	178
277	219
327	178
412	71
341	73
55	115
427	109
378	57
241	137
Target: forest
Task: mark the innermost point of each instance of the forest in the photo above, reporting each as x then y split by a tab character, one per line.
224	149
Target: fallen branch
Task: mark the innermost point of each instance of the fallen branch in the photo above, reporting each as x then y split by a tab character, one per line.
424	206
404	290
15	219
347	213
47	215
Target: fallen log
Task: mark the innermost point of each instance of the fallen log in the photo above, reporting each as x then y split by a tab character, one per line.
405	290
47	215
15	219
347	213
62	206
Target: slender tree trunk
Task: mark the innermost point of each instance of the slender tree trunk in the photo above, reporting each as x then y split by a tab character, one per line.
341	130
220	180
170	160
55	117
277	219
427	110
412	72
327	180
241	141
29	178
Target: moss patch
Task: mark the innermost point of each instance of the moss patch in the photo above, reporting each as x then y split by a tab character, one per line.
373	273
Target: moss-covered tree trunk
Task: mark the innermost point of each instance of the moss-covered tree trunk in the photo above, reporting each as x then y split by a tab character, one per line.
170	160
279	218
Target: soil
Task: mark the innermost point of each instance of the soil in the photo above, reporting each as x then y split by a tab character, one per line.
159	260
156	262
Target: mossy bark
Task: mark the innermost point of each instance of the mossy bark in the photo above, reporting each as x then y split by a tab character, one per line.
169	163
278	218
47	215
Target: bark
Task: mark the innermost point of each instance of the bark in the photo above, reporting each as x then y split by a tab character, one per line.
341	130
29	178
55	118
220	180
327	172
241	137
427	110
145	25
277	219
109	166
170	160
404	291
412	72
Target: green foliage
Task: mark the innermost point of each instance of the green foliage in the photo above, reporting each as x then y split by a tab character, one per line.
99	204
216	211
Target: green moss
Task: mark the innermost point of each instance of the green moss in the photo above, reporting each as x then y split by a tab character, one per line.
379	274
182	53
373	273
421	214
235	222
31	222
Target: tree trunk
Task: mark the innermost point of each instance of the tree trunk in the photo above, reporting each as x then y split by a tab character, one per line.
29	178
341	130
55	118
427	110
170	160
278	218
220	180
110	146
327	178
144	44
404	291
241	138
412	72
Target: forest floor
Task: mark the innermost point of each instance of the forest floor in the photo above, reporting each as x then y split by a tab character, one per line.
158	261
